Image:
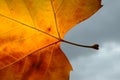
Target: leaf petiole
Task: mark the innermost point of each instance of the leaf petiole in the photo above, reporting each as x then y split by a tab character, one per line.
95	46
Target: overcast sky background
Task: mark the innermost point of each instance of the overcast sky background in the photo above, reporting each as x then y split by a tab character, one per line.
103	28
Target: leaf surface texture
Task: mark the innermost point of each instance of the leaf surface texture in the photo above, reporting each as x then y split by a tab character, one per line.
30	32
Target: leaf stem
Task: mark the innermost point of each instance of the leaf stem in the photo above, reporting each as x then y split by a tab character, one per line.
95	46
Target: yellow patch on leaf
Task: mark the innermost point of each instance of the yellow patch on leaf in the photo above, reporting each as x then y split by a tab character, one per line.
30	32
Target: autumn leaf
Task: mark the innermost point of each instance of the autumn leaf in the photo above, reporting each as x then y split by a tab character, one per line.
30	36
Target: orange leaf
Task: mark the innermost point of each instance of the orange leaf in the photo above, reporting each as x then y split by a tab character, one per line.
30	33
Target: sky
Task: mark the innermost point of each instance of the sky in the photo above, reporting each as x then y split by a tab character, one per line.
102	28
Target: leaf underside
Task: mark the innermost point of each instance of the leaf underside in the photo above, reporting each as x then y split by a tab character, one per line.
30	32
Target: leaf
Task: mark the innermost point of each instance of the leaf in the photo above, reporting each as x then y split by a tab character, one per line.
30	36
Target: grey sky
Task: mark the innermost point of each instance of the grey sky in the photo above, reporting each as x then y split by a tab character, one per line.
103	28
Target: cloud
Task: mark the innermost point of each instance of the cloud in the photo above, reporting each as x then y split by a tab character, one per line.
104	65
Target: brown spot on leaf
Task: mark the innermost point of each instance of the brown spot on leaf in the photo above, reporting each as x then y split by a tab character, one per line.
49	29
